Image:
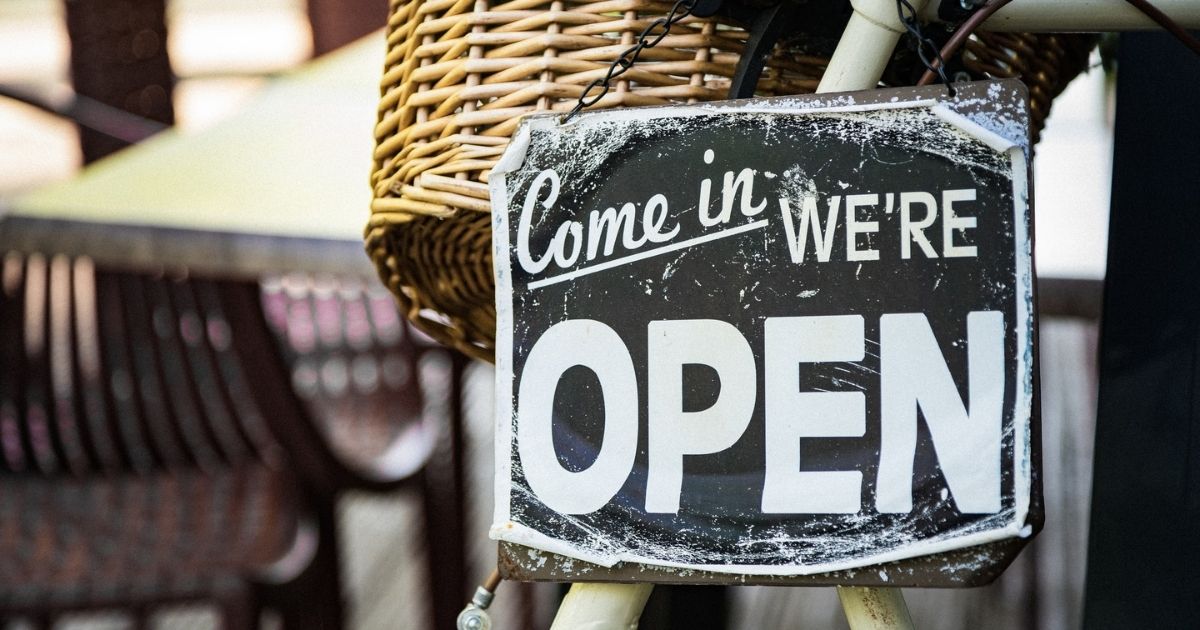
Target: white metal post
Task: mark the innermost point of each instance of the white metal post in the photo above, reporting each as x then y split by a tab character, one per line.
869	608
865	47
599	606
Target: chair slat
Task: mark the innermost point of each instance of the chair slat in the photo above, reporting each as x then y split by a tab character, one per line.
66	407
38	433
123	386
12	453
204	377
176	438
90	383
170	357
231	376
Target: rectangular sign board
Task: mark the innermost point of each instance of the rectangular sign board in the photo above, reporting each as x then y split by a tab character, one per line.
775	337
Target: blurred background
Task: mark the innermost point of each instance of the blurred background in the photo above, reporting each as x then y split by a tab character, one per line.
220	52
221	55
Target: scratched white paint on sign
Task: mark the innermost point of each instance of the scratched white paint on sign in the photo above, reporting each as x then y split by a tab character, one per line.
779	337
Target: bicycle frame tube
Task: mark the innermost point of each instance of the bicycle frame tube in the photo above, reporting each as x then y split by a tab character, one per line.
1079	16
865	47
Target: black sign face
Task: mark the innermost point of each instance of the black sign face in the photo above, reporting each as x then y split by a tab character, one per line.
773	337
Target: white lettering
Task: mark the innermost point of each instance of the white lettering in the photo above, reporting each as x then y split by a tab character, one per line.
606	225
822	239
673	432
915	380
598	348
951	222
525	222
914	374
792	415
914	231
559	244
854	227
653	217
706	190
742	187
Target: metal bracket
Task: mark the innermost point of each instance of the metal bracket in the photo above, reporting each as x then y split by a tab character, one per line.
766	24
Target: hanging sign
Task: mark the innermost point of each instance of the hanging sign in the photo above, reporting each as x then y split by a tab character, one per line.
769	337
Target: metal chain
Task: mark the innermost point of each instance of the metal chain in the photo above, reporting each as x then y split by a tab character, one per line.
648	38
927	49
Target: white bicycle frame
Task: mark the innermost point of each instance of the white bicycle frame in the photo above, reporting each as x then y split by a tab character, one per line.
858	62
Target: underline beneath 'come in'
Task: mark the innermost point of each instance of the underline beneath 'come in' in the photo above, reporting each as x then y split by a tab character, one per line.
616	262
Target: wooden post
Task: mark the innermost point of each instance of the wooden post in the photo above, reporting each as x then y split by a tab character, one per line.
119	57
336	23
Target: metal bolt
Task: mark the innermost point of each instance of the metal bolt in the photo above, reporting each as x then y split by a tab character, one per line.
962	77
473	618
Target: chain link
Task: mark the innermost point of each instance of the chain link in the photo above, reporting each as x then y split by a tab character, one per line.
650	37
927	49
654	33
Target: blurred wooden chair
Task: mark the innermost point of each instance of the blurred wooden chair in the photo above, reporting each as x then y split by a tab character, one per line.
351	361
152	449
350	356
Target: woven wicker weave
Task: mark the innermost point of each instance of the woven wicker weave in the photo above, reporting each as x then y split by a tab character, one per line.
459	75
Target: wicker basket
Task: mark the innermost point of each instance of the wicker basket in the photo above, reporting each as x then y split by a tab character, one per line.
459	75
